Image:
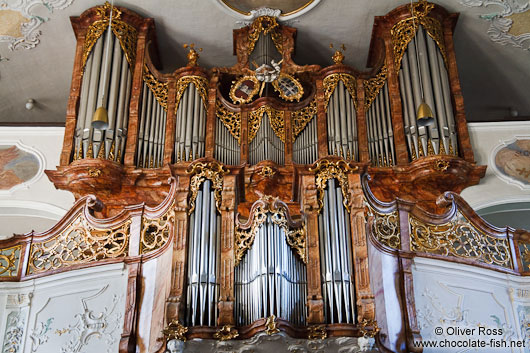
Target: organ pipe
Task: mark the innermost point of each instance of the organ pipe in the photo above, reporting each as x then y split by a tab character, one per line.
305	147
441	137
335	252
342	123
380	130
108	83
266	145
190	126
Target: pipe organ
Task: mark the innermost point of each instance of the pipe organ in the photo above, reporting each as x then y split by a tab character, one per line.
265	214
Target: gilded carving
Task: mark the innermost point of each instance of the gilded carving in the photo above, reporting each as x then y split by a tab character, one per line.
385	227
202	171
9	261
201	84
301	117
231	120
265	24
317	332
244	89
524	251
288	87
79	243
331	81
403	31
271	325
158	88
156	232
369	332
226	333
276	118
126	33
327	169
459	238
244	238
441	165
373	85
267	172
175	330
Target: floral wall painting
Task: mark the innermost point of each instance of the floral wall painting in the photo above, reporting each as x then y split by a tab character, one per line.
18	166
511	162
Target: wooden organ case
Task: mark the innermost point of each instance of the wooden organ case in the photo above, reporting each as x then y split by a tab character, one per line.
264	217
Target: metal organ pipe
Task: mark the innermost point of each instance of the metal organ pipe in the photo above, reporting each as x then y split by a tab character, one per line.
270	279
380	130
306	143
437	95
105	64
336	252
342	123
227	149
266	145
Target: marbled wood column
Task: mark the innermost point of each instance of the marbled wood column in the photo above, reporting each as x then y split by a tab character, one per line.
73	100
465	149
362	135
315	304
288	131
134	289
226	270
211	117
136	95
244	136
169	145
175	303
400	143
407	287
322	127
365	297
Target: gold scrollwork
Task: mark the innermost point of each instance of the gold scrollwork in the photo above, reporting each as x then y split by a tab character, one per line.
317	332
156	232
441	165
126	33
327	169
296	237
201	84
331	81
238	84
267	172
301	117
79	243
271	325
231	120
226	333
373	85
202	171
94	172
385	227
9	261
158	88
175	330
276	118
461	239
369	332
265	24
403	31
524	251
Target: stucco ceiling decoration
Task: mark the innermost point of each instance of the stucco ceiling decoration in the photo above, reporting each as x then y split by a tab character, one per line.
286	9
19	24
510	25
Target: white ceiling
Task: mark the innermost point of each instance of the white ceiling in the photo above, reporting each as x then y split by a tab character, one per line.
494	77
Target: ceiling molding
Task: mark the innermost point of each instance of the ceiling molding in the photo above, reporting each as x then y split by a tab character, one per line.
500	23
21	28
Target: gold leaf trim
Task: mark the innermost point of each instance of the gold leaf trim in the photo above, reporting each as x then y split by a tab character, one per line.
327	169
331	81
201	171
201	84
158	88
276	118
317	332
244	238
231	120
226	333
156	232
175	330
277	88
126	34
373	85
403	31
9	261
459	238
251	94
271	325
301	117
385	227
79	243
265	24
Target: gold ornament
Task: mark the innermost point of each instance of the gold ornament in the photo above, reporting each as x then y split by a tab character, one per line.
331	81
265	24
226	333
201	84
200	172
231	120
156	232
158	88
9	261
301	117
371	332
317	332
385	227
373	85
175	330
271	325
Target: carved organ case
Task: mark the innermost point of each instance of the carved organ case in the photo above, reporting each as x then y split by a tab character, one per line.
267	226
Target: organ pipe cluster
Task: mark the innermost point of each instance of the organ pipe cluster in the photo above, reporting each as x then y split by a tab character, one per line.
190	126
266	145
380	131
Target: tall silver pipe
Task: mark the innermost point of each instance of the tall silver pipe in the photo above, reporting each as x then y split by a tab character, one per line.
390	130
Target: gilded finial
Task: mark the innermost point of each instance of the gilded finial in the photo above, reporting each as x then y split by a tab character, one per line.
338	56
193	56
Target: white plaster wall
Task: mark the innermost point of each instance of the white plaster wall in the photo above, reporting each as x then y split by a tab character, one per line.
452	295
37	205
75	311
485	139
